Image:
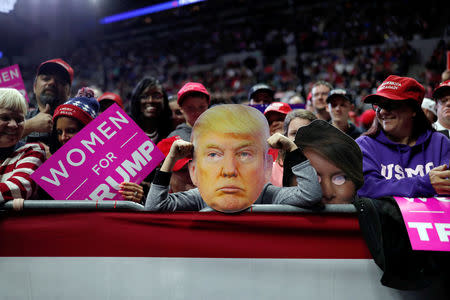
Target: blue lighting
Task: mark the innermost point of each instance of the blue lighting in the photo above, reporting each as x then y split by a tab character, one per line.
1	54
147	10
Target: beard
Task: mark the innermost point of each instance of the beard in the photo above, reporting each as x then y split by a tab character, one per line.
51	100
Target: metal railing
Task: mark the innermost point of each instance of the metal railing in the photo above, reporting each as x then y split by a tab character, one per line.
76	205
132	206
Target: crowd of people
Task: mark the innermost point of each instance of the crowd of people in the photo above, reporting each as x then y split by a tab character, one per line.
401	153
289	56
338	126
229	156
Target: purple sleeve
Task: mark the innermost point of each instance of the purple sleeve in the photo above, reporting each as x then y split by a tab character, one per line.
376	185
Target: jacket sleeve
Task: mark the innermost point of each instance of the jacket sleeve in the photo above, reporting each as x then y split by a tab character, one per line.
376	185
308	192
17	171
159	199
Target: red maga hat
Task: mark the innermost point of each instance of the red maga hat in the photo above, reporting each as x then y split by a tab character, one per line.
191	87
281	107
111	96
398	88
56	63
440	89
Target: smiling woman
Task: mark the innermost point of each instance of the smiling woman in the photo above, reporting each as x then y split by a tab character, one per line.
150	108
403	155
17	160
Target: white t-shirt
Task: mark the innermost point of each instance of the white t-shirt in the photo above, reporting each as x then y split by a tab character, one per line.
439	127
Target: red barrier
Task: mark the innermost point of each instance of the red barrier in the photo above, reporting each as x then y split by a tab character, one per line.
184	234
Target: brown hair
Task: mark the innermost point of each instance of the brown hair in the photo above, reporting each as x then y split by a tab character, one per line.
420	122
334	145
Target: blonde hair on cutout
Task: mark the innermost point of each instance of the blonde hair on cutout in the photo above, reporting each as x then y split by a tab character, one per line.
12	99
232	118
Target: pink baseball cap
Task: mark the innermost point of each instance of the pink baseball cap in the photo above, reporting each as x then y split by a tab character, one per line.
280	107
56	63
398	88
441	88
192	87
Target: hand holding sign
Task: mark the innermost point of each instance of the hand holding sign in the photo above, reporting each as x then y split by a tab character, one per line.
440	179
110	150
131	191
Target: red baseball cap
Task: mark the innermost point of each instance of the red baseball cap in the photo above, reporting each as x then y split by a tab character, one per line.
366	118
441	88
398	88
111	96
165	144
192	87
56	63
280	107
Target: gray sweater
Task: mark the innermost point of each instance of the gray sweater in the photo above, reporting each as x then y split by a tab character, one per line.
183	130
306	194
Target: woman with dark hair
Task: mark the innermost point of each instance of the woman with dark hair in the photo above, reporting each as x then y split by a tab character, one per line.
150	109
336	158
403	155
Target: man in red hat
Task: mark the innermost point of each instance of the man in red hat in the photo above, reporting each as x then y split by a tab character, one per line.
275	114
442	96
108	99
193	99
51	88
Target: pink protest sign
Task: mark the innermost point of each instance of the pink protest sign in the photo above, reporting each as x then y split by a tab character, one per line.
427	221
11	77
111	149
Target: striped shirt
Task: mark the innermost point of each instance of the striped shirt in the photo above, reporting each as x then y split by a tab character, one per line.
16	169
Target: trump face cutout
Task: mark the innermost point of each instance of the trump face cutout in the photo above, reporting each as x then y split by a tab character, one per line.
231	164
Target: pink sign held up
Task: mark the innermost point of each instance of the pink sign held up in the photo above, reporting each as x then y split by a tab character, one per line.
427	221
110	150
10	77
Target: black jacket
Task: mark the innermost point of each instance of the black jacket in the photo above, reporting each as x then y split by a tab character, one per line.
385	233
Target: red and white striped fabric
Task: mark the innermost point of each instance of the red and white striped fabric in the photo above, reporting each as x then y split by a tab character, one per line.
15	171
189	255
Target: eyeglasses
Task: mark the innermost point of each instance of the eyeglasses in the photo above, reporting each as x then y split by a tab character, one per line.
389	106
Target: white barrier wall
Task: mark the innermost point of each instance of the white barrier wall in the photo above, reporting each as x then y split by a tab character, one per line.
195	278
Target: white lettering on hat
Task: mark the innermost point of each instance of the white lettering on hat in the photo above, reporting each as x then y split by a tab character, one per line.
389	85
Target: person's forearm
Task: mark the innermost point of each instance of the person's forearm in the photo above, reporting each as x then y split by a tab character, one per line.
376	186
159	199
28	127
168	164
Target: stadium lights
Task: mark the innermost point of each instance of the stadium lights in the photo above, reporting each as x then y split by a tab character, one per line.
7	6
147	10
